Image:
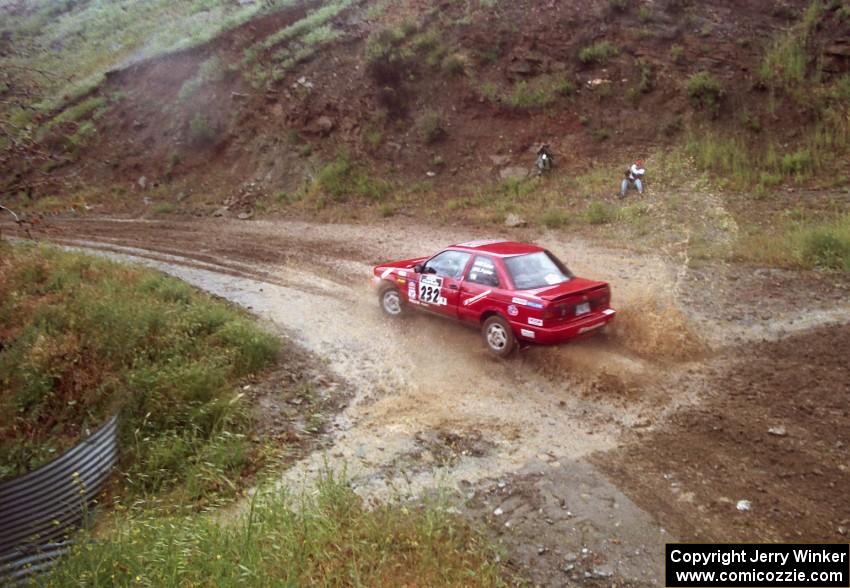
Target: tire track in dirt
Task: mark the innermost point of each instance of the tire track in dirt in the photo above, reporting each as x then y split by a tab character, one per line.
432	409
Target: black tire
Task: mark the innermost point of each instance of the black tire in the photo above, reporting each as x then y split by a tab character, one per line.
498	336
390	300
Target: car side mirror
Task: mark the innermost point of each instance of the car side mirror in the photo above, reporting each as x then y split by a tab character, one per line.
418	268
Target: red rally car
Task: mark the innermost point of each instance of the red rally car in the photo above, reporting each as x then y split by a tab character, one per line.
515	292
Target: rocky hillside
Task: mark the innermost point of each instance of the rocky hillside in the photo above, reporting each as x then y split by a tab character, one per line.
314	103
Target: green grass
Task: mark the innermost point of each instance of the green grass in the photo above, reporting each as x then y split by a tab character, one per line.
95	36
327	537
83	338
80	110
299	41
599	213
705	91
432	127
564	87
209	71
599	52
531	94
555	218
201	131
344	178
786	61
314	21
527	96
164	208
825	245
677	53
81	136
741	162
802	242
389	51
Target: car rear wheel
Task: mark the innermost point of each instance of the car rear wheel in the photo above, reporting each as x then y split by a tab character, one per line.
390	300
498	336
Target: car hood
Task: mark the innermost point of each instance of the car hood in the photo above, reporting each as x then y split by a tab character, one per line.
574	286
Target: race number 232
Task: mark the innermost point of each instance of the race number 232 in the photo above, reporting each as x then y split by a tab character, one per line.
429	290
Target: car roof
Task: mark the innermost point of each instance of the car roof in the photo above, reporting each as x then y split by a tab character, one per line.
498	247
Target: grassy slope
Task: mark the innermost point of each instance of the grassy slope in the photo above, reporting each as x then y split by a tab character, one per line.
81	338
78	42
326	539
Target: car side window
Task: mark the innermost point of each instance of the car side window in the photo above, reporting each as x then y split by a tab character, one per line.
449	264
483	271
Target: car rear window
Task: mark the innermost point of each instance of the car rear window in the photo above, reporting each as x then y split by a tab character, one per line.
536	270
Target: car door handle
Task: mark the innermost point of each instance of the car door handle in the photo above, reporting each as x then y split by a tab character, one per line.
452	286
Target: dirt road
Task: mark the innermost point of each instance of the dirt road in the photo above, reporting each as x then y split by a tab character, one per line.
675	407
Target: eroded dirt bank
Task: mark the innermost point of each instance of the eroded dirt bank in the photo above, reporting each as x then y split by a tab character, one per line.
673	406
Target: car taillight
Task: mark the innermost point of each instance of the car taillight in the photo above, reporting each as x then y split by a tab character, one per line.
556	311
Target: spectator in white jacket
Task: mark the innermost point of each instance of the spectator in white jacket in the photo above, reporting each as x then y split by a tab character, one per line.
634	176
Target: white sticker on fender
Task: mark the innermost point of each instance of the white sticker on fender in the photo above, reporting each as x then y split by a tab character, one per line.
386	273
429	290
535	321
527	333
475	299
520	301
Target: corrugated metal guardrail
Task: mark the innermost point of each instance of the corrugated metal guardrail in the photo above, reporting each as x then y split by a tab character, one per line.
40	509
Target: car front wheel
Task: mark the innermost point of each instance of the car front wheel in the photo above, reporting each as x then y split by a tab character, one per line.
390	300
498	336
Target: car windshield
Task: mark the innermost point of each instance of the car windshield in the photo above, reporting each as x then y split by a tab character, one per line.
537	270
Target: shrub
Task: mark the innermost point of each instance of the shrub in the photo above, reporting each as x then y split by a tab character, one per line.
677	53
163	208
619	5
797	163
526	96
769	180
84	132
386	56
647	77
490	92
564	87
599	213
645	14
343	178
454	64
432	128
705	90
598	52
210	70
600	134
826	245
786	60
555	218
200	131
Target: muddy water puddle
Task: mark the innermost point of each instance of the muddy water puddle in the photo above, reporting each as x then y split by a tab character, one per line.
424	376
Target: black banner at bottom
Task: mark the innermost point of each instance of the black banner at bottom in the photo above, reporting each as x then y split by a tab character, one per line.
694	565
